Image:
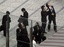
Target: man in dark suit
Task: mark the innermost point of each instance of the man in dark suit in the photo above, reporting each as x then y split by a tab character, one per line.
25	16
51	17
43	17
4	22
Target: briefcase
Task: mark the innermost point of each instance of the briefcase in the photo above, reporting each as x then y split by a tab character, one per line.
1	28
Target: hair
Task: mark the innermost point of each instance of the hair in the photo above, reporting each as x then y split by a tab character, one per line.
42	7
47	5
37	23
23	9
19	25
7	12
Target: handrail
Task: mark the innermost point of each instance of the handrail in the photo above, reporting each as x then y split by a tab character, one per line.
2	2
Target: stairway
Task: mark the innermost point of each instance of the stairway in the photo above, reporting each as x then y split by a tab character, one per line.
56	40
31	8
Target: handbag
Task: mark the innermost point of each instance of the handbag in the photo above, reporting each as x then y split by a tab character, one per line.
1	28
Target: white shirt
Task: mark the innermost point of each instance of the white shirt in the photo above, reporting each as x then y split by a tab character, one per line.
34	43
51	9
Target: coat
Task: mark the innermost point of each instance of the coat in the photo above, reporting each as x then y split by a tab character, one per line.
22	37
4	19
37	33
43	16
50	16
25	15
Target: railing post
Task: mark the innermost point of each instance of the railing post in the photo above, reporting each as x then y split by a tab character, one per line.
7	32
31	42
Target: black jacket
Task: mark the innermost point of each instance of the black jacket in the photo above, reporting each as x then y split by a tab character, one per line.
4	19
37	32
22	37
43	16
25	15
50	13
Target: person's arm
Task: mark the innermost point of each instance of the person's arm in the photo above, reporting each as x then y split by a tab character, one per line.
17	35
9	19
54	11
3	20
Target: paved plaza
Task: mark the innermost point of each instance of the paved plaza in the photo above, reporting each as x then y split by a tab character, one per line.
34	10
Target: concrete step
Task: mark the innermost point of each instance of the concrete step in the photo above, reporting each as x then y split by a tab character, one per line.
10	5
54	41
52	44
54	38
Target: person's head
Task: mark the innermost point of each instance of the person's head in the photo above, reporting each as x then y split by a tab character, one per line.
37	23
48	4
33	37
21	26
23	10
42	7
7	13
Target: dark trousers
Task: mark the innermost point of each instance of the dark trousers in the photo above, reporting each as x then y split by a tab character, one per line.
44	26
54	22
4	32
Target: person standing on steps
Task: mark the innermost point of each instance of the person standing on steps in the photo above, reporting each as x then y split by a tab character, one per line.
51	17
25	16
4	20
44	17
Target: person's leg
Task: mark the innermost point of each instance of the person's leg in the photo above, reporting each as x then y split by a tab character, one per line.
4	32
55	26
49	23
44	26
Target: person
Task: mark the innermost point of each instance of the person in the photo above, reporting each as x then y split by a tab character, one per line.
18	35
25	16
51	16
43	17
37	33
34	42
22	37
4	22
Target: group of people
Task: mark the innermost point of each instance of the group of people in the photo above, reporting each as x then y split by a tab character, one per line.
48	10
38	33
